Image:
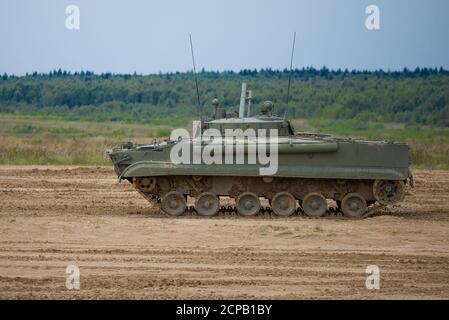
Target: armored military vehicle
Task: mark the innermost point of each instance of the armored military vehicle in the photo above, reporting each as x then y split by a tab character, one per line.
248	158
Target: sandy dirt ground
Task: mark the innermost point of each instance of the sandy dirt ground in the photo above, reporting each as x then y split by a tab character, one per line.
51	217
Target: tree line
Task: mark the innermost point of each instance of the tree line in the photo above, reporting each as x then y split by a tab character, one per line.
419	96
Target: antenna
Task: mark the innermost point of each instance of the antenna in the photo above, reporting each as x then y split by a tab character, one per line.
290	75
200	109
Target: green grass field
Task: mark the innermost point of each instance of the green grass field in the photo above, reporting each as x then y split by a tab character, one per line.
53	141
38	141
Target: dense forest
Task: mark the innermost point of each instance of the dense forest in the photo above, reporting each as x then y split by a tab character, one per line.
420	96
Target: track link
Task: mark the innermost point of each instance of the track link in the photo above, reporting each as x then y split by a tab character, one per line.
332	212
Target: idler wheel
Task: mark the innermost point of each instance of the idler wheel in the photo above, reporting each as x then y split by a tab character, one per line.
353	205
283	204
145	184
173	203
314	205
207	204
388	192
248	204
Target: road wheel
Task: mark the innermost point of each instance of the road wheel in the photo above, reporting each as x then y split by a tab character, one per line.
314	205
145	184
283	204
173	203
248	204
207	204
353	205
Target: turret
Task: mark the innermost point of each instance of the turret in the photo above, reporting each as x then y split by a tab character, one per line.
243	120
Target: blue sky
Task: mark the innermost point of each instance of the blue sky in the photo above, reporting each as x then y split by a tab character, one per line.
152	36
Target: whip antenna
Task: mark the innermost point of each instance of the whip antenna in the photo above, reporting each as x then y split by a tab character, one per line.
290	75
200	109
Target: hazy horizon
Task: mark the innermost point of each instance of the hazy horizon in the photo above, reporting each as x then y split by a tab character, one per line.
220	71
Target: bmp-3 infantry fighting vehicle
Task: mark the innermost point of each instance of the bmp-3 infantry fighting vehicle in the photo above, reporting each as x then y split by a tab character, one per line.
297	172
